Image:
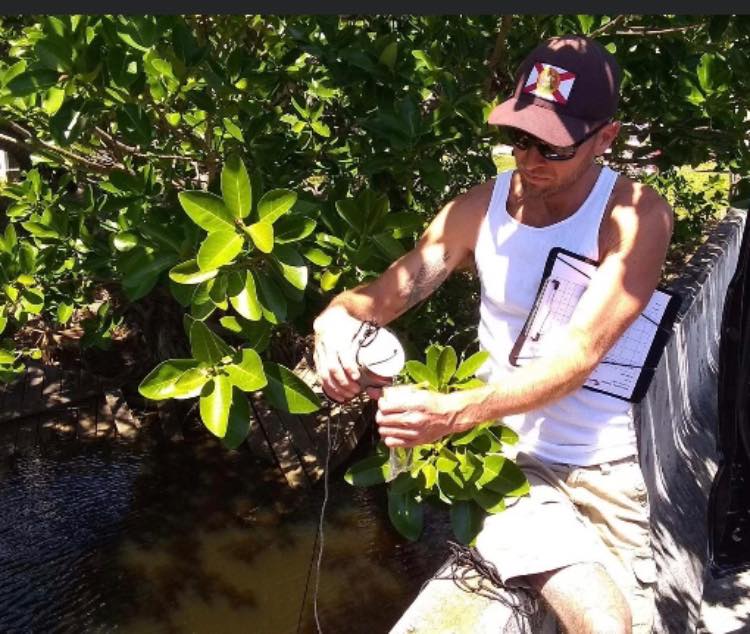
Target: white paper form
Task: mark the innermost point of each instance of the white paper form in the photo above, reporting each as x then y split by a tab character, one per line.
619	371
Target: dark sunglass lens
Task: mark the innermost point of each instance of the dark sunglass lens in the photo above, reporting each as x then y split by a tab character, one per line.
553	153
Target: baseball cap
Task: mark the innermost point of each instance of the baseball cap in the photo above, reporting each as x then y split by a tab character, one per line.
565	88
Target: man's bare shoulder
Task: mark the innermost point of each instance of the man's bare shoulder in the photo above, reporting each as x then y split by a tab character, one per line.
637	212
458	221
474	201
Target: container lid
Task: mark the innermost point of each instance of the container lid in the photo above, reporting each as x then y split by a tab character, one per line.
382	355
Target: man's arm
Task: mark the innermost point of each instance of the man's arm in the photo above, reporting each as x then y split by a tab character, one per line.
445	245
629	272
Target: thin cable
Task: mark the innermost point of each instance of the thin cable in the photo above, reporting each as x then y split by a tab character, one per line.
321	534
472	573
364	336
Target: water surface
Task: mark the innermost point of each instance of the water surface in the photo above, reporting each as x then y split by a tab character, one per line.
187	537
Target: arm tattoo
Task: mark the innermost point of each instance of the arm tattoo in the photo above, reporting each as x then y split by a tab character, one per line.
432	273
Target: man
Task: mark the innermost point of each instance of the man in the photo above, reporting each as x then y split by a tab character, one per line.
581	538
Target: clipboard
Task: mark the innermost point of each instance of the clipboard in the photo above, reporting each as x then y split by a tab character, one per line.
629	366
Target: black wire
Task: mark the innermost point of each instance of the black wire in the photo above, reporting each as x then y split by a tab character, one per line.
364	336
321	534
472	573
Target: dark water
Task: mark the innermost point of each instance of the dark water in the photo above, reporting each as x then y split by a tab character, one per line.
187	537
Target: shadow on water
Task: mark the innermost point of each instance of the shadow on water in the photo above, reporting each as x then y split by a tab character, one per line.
187	537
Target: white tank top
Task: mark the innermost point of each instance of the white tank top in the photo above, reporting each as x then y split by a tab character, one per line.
585	427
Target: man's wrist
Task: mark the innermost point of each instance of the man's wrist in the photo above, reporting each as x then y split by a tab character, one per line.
332	312
472	407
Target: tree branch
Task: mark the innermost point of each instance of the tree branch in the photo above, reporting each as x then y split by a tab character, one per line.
32	144
602	30
635	30
497	58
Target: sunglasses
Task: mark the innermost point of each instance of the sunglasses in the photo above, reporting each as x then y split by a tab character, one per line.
523	141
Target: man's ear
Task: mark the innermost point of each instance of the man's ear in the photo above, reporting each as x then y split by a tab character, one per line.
606	137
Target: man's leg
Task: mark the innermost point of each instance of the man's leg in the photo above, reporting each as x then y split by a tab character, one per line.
585	599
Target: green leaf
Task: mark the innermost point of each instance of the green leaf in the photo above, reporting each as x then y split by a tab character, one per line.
38	230
27	257
586	22
13	71
446	365
215	402
293	228
506	434
191	383
247	374
207	211
404	482
389	55
466	521
255	333
125	241
6	356
262	235
272	300
243	295
317	256
420	373
236	188
238	425
217	292
160	383
233	129
368	472
141	271
453	485
64	312
447	461
389	246
330	279
321	129
53	100
432	355
712	72
351	213
275	204
219	248
287	391
406	514
32	300
464	438
471	384
69	121
32	81
190	273
430	473
469	366
55	52
292	266
134	124
207	346
502	476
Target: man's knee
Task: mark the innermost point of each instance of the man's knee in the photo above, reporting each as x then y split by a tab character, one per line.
613	619
585	599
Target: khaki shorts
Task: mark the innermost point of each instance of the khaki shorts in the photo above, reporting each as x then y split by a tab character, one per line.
572	515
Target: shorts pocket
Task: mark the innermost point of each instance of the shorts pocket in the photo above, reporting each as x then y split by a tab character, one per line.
644	569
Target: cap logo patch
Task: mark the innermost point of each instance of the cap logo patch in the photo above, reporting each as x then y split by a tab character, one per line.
550	82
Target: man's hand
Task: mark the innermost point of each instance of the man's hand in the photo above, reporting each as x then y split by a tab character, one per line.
408	416
335	353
